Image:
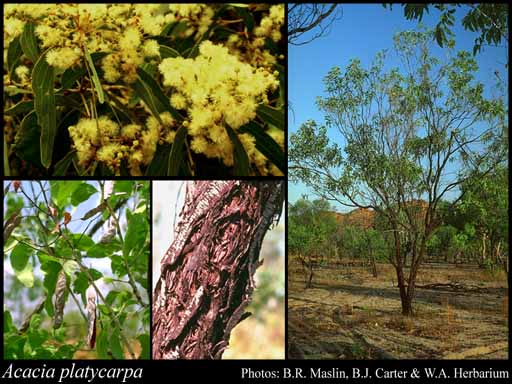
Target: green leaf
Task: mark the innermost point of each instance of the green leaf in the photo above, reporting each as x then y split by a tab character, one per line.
103	250
102	344
111	296
440	35
136	234
271	116
7	169
266	145
51	269
246	15
8	324
64	252
168	28
115	345
71	267
117	265
179	29
14	346
162	102
28	42
70	76
158	165
61	191
21	108
26	276
166	52
95	78
125	186
81	241
146	94
26	141
239	155
44	258
82	282
20	255
176	155
95	274
35	321
144	344
63	164
82	193
44	101
66	351
13	53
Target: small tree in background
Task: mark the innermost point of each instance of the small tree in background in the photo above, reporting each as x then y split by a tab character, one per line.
311	225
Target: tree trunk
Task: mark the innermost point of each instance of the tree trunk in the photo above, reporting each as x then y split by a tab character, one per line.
484	250
400	277
206	279
374	266
309	283
404	299
371	260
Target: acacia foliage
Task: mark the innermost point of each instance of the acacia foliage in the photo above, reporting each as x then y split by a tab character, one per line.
49	239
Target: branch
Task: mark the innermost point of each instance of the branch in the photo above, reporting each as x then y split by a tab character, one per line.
308	21
39	307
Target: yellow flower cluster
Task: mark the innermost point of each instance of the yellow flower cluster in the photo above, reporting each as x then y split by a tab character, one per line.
251	49
217	90
63	57
270	25
115	28
105	141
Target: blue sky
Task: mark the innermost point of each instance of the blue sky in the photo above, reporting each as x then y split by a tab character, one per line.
364	30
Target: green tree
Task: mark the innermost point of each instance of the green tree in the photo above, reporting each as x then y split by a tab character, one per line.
366	244
485	207
51	254
410	138
311	225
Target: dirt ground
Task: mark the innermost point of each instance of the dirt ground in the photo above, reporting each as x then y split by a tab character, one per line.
349	314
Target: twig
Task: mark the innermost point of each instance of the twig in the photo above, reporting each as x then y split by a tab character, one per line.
36	310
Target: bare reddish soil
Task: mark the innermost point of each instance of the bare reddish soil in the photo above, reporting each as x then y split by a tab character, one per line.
460	313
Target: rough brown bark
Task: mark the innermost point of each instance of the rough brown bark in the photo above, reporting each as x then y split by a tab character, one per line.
206	279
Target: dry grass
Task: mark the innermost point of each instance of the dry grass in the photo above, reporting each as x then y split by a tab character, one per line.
446	322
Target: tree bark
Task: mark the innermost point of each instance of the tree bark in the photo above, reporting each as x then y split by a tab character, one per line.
206	279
